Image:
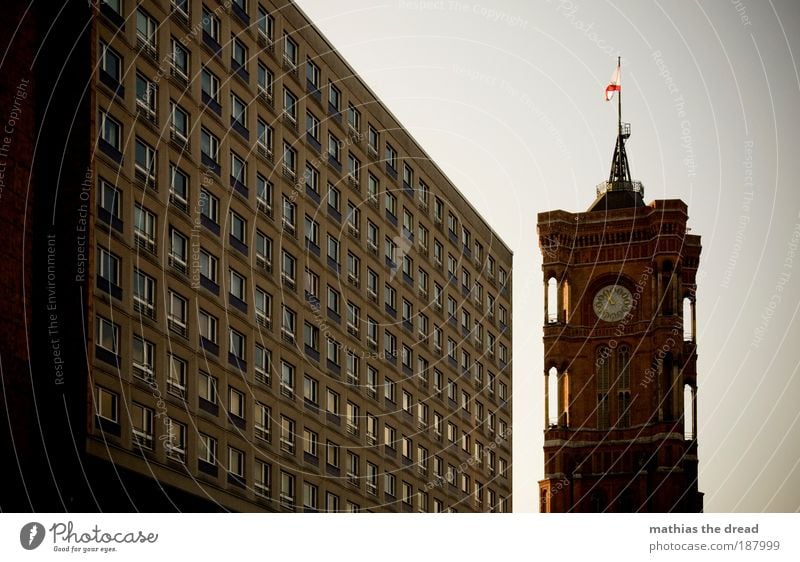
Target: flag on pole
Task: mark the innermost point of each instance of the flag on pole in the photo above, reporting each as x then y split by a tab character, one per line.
614	85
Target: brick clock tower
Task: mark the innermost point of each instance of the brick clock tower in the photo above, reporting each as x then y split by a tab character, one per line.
620	379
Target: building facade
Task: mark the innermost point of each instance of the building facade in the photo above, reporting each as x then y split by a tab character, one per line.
275	300
620	376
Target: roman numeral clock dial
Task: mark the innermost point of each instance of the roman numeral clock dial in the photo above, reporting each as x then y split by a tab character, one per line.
612	303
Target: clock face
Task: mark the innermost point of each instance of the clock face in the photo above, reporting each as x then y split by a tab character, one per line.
612	303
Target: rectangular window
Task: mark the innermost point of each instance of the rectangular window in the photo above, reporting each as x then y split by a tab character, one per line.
107	404
176	377
145	162
287	379
143	358
142	426
107	335
207	387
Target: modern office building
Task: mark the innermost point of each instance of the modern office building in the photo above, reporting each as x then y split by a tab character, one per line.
247	286
620	365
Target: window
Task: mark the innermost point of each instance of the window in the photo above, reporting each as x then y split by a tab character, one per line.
108	266
238	344
389	436
264	249
146	29
211	24
263	307
408	494
311	390
263	364
408	175
144	293
208	265
391	204
110	62
334	98
238	227
353	318
390	345
332	456
372	236
175	444
389	484
352	415
262	427
207	387
145	162
176	318
334	198
263	479
265	24
238	55
334	148
311	442
331	502
391	156
179	122
372	429
333	300
389	389
209	206
143	358
237	285
207	324
109	199
372	283
407	448
312	178
373	187
438	210
333	249
264	194
372	139
236	404
238	170
288	268
238	111
290	105
209	145
312	74
287	378
288	323
333	352
289	52
265	80
438	250
142	425
372	478
287	434
208	449
312	127
180	59
287	490
235	462
106	404
353	118
178	249
312	284
265	136
353	463
310	492
176	377
354	168
372	332
107	335
289	160
179	187
353	268
390	251
209	85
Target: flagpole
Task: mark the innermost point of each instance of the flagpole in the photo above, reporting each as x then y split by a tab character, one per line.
619	95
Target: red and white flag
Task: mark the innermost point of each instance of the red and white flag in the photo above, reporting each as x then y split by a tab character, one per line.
614	85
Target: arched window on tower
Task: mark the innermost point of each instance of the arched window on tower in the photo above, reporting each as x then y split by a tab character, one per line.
623	386
552	301
688	319
688	412
602	370
543	501
552	391
565	301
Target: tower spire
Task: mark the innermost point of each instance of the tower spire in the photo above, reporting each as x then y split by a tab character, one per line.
619	190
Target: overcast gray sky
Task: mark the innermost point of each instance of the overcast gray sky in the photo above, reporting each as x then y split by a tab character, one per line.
507	97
